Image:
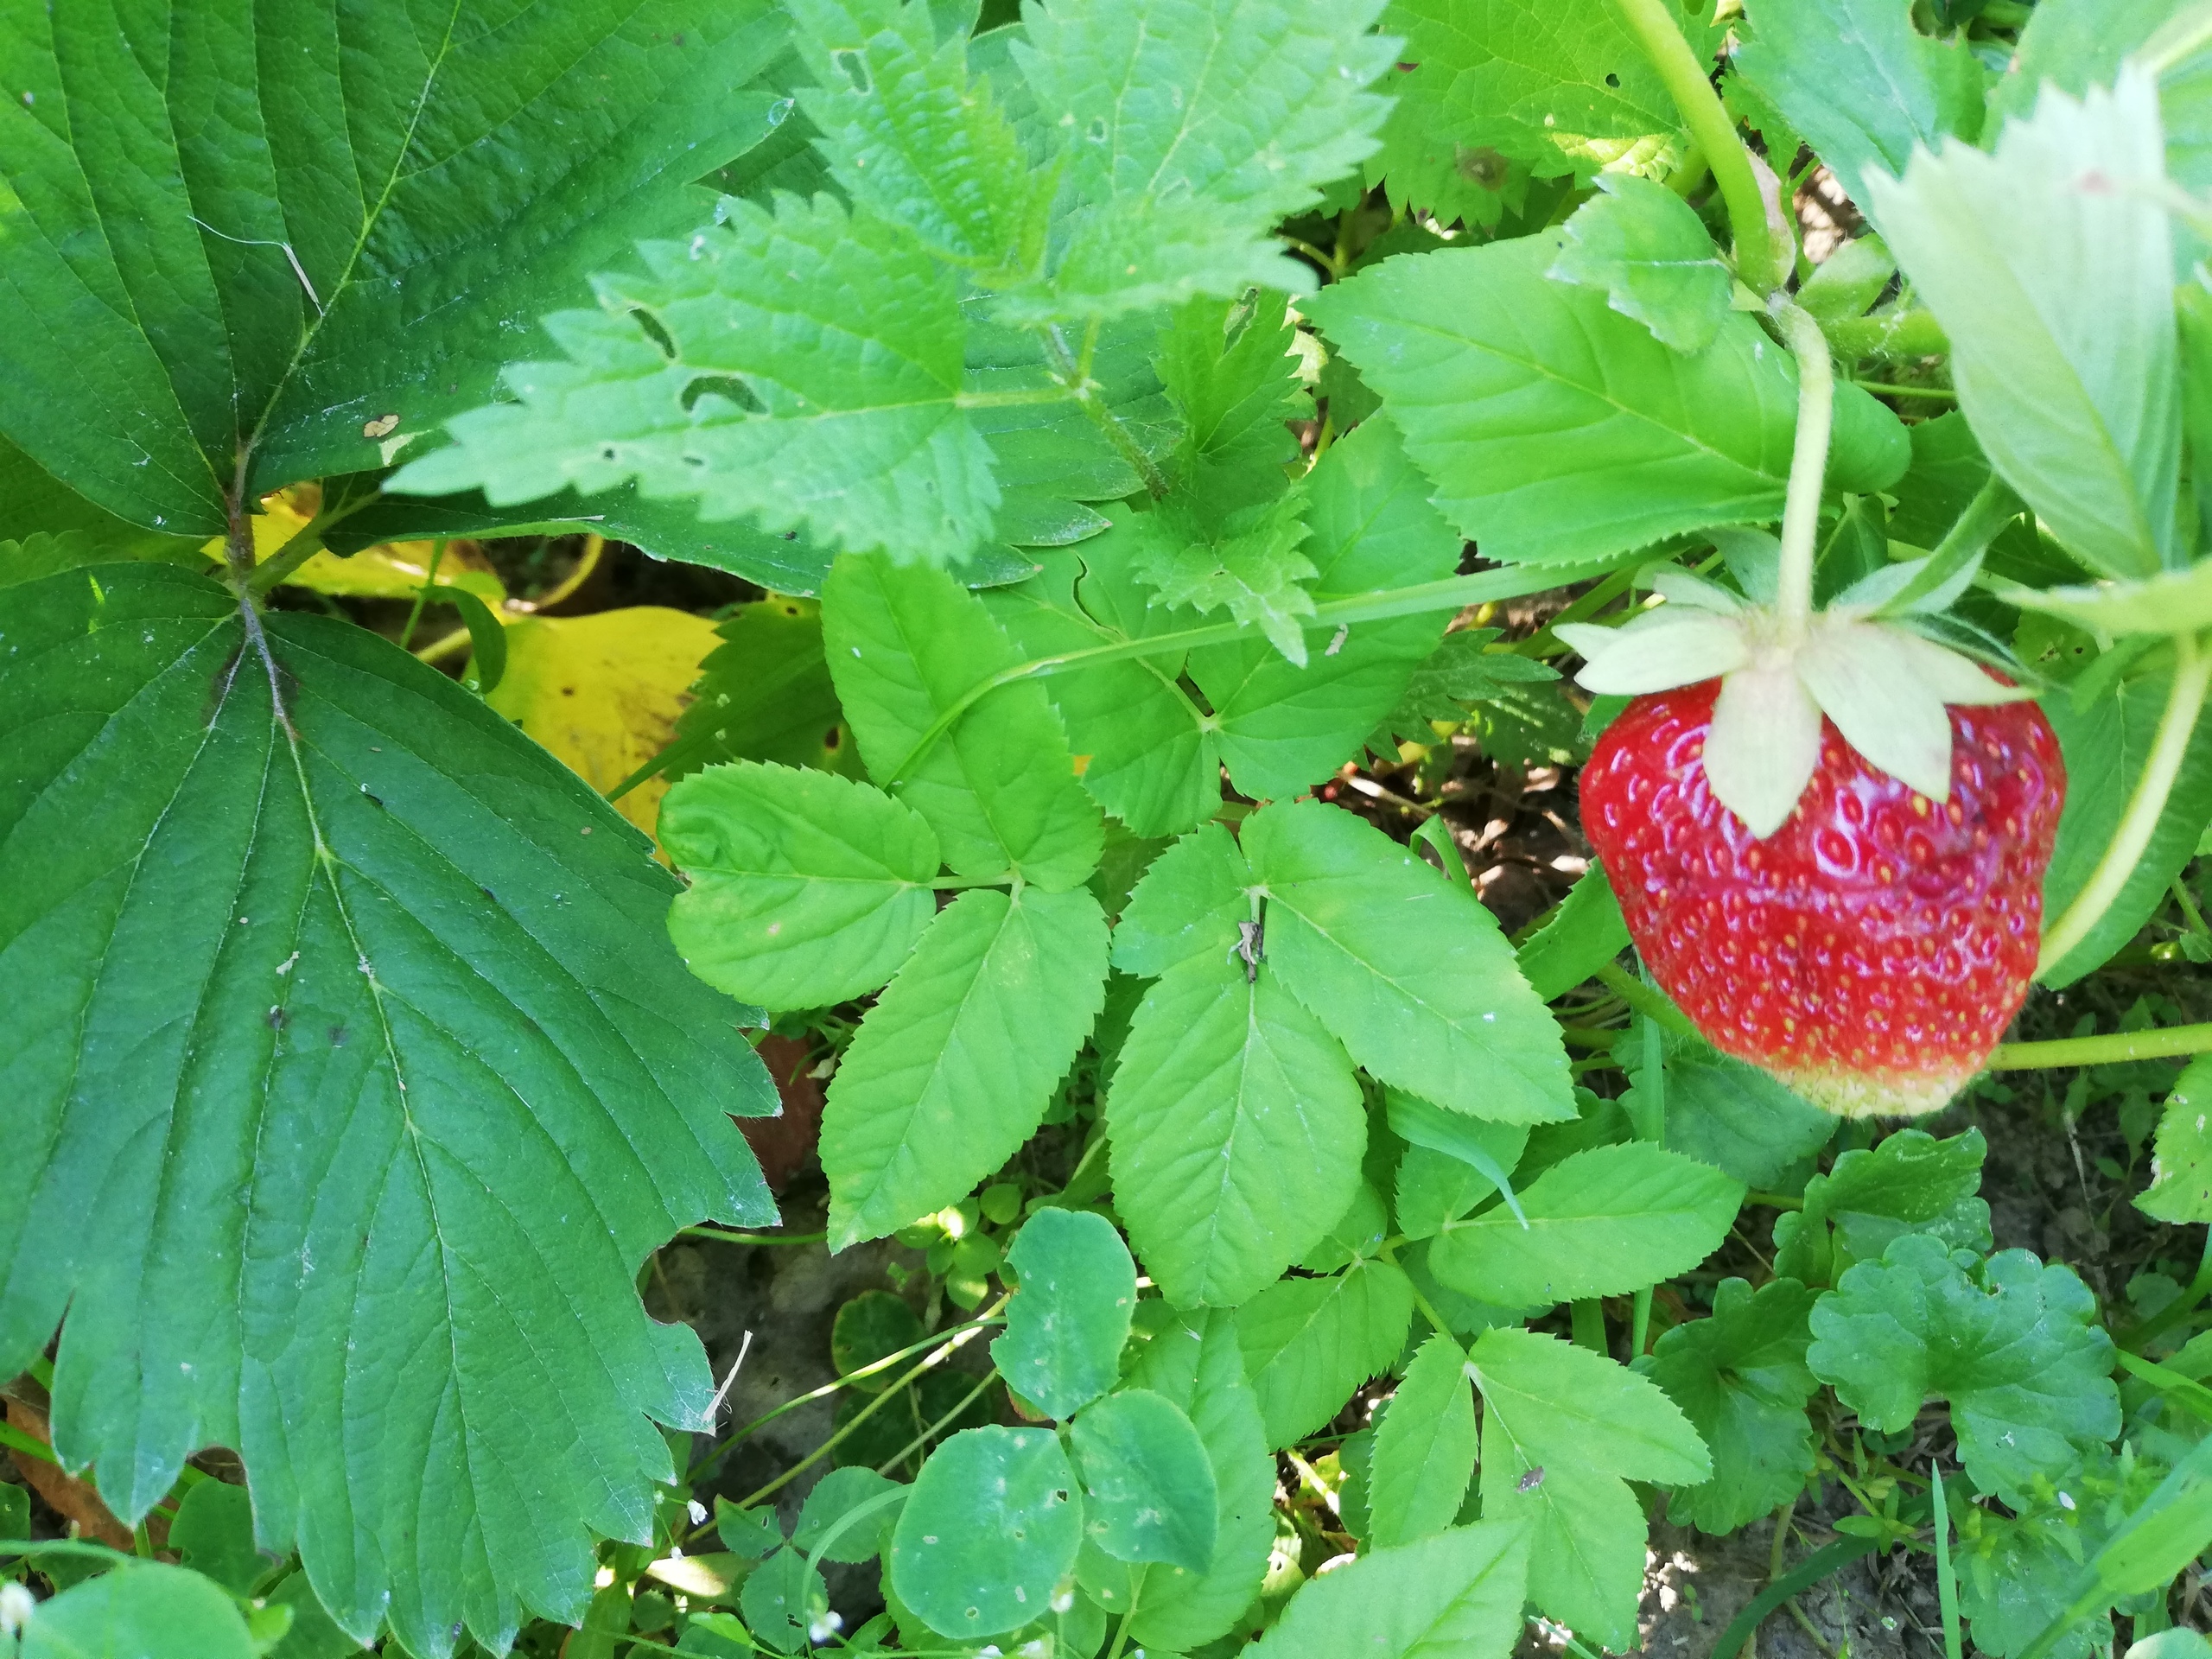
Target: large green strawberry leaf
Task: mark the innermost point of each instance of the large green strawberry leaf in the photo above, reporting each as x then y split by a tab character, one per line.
350	1077
1556	429
338	263
2015	1348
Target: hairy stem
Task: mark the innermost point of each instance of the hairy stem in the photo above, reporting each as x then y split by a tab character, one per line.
1808	465
2112	1050
1758	257
2192	674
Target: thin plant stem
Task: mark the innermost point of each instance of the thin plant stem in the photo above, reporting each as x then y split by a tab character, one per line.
1651	1125
1809	462
1075	375
1645	1001
1122	1631
2192	675
1947	1584
1758	254
2188	908
938	1427
304	544
724	1235
1941	394
2114	1049
423	594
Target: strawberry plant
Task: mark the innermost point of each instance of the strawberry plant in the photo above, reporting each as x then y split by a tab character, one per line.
1175	483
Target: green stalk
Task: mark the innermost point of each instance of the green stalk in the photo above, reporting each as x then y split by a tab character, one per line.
2192	675
1651	1118
1758	260
1947	1584
1808	462
1652	1005
2116	1049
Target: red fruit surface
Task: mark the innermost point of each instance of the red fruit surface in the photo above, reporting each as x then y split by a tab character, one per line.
1872	949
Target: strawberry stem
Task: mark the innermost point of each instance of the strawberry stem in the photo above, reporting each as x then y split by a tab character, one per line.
2113	1049
1808	462
1759	260
2192	676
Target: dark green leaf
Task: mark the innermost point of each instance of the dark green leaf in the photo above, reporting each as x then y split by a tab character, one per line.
764	694
1735	1116
2016	1349
1149	1486
1740	1378
1462	670
137	1611
386	990
835	1496
752	1534
1909	1182
991	1528
931	1097
781	1599
213	1532
1070	1316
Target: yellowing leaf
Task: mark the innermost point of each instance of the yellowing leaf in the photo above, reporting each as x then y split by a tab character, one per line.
603	692
392	570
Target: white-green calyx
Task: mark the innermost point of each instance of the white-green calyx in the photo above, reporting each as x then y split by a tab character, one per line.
1886	687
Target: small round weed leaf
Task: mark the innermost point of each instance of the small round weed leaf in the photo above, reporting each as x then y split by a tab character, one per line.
141	1609
782	1599
873	1325
840	1492
752	1534
214	1532
989	1533
1148	1485
1070	1316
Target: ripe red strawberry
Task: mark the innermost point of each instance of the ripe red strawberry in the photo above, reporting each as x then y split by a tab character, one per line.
1872	949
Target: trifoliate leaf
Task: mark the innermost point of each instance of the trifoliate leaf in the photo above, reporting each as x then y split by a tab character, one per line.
1603	1221
1858	84
1740	1378
990	1530
1070	1316
1236	1130
1190	129
1308	1342
1458	1592
217	308
1407	969
910	136
905	645
2015	1348
802	368
930	1098
425	963
805	888
1424	1450
2062	349
1149	1486
1557	429
2181	1169
1642	245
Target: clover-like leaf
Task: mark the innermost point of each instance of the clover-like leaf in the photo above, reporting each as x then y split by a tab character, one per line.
992	1526
1067	1324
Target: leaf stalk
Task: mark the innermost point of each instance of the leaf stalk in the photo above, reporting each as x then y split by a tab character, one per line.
2116	1048
1808	463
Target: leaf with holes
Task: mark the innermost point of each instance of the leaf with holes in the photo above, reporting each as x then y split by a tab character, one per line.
352	1023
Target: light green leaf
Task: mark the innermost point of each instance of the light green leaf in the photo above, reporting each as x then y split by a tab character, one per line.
1601	1222
1070	1316
213	1532
1197	1365
1641	244
1583	935
764	694
255	298
1282	726
807	888
1457	1593
905	644
1587	1539
1148	1487
1191	128
1230	373
1434	1187
1859	84
1407	969
1237	1131
1250	566
1740	1378
1489	1149
1359	1233
2016	1349
1142	741
1559	89
1308	1342
1556	429
991	1528
1187	906
349	984
752	1534
2181	1172
781	1599
2106	747
913	138
2062	346
810	379
135	1610
934	1094
835	1496
1424	1450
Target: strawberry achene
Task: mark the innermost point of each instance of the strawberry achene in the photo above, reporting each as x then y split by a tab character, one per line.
1872	949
